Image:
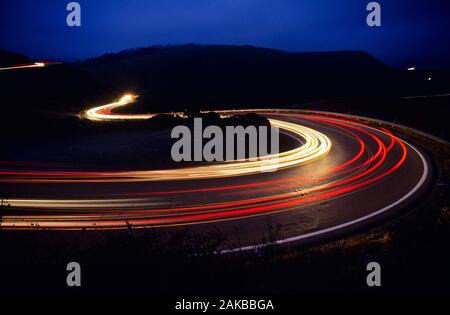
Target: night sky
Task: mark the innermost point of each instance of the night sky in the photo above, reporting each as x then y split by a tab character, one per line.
413	32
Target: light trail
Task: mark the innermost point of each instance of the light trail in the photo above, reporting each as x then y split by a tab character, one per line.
33	65
378	156
104	112
30	66
419	185
316	145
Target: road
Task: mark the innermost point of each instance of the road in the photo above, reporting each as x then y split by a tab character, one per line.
343	176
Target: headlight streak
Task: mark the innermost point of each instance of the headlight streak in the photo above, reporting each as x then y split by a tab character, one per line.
157	208
40	64
104	112
26	66
316	146
253	201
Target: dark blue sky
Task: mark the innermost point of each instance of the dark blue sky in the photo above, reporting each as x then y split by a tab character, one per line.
413	32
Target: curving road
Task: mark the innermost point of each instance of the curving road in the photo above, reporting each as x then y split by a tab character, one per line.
343	175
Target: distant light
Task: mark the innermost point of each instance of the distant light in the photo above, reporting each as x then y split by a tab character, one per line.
127	98
411	69
39	64
429	78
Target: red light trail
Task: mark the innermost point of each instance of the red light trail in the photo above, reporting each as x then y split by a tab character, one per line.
372	157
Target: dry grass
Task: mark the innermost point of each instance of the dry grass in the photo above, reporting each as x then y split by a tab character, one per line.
444	217
356	242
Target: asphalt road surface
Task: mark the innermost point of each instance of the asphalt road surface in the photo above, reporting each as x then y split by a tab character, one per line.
343	176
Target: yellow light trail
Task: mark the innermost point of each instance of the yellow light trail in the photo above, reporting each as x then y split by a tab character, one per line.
125	212
315	145
33	65
104	112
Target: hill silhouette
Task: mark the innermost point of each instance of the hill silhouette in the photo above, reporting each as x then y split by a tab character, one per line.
193	77
8	58
174	77
41	99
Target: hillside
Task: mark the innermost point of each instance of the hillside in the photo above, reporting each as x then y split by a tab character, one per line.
40	99
208	77
8	58
174	77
